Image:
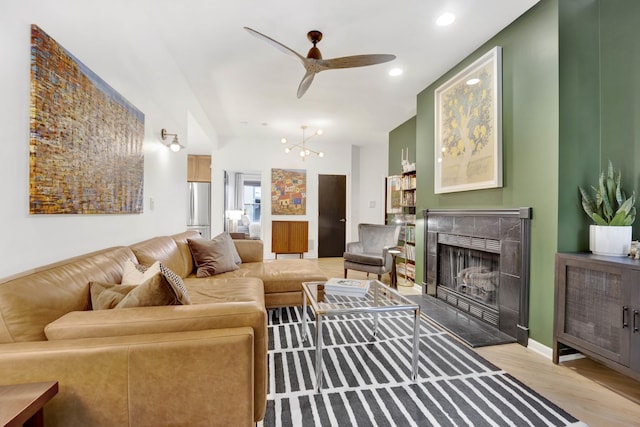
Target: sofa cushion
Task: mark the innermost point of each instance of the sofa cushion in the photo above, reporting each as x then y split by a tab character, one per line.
163	249
250	250
281	275
212	256
154	291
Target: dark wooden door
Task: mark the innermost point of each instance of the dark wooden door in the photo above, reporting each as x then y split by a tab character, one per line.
332	211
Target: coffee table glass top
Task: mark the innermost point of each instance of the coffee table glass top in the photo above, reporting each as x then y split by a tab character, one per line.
379	298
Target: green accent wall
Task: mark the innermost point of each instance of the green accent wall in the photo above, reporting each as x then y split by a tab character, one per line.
571	103
580	112
401	138
529	148
599	106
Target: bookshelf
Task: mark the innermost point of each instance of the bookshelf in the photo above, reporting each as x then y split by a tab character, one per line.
403	211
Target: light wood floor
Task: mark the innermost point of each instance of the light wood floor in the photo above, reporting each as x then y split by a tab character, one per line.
587	390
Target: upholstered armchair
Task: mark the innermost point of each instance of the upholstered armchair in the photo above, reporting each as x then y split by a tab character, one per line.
370	252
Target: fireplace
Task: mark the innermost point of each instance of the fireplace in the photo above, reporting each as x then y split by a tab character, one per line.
478	262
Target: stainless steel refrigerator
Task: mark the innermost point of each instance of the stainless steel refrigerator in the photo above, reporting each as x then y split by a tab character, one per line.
199	209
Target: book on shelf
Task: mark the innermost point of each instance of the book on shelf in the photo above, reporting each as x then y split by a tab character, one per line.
409	182
348	287
410	252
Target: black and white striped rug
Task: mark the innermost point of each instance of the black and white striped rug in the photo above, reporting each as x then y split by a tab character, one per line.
367	381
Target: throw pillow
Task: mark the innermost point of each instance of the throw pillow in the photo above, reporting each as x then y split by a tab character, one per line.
154	291
176	284
212	256
232	247
134	273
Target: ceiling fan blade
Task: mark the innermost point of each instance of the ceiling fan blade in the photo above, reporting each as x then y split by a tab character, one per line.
357	61
275	43
305	83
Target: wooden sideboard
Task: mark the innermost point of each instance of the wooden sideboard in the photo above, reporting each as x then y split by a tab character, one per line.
597	309
289	237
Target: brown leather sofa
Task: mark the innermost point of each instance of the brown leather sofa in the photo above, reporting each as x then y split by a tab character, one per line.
201	364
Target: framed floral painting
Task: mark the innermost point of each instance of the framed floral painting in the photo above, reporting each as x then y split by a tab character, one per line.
468	127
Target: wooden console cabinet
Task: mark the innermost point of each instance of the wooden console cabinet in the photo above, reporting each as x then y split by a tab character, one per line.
597	309
289	237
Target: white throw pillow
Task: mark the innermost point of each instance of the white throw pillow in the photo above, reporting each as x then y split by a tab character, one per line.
134	275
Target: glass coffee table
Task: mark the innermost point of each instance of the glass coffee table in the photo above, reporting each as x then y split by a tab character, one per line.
379	299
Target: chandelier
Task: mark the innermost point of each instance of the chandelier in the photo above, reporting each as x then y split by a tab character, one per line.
304	151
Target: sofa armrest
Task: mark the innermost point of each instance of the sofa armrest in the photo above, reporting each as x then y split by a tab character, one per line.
181	378
174	318
151	320
250	250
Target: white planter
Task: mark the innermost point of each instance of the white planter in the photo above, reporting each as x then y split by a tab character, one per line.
610	241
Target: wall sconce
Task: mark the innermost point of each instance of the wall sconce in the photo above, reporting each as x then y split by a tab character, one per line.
175	145
304	151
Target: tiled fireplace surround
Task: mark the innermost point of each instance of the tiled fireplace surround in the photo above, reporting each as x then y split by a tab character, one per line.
502	231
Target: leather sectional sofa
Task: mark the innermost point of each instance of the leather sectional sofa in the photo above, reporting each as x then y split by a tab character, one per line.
188	365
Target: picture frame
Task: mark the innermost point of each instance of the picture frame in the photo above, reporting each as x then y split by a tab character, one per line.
288	191
468	127
394	194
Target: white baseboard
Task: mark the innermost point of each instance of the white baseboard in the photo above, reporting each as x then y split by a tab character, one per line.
547	352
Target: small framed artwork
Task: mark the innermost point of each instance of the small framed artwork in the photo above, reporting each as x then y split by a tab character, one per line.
394	194
468	127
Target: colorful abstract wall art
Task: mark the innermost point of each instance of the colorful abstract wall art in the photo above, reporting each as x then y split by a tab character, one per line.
86	140
288	191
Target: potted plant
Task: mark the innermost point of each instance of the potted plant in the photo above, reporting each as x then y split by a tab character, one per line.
612	213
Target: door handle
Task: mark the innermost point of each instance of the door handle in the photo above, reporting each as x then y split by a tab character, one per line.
625	310
635	323
343	220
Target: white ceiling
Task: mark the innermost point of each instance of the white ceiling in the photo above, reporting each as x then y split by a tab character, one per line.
247	88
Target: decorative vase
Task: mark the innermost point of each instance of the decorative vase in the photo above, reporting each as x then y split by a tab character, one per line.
610	240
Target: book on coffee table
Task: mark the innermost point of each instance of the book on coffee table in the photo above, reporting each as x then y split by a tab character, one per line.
347	287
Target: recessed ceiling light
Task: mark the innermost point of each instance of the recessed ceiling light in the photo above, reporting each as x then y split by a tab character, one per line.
395	72
445	19
473	81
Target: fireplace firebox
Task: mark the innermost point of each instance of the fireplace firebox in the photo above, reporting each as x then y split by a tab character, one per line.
478	262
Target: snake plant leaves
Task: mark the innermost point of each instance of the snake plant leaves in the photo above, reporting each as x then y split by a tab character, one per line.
609	204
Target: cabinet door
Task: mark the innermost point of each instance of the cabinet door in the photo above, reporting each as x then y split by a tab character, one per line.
594	303
203	169
198	168
280	237
634	322
298	236
192	167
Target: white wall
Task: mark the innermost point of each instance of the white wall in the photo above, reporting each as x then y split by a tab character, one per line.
157	89
262	155
373	170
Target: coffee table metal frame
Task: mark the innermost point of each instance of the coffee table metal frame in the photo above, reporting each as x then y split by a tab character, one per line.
381	299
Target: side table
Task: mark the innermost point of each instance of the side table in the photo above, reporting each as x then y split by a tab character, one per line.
394	272
21	404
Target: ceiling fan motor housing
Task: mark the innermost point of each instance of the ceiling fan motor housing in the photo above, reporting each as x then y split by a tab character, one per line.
314	37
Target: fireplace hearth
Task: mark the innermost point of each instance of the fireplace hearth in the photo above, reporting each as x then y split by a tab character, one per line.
478	262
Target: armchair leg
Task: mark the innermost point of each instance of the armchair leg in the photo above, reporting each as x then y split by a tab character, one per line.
345	273
379	276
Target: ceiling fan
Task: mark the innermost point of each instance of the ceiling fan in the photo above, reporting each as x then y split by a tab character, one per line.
313	63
